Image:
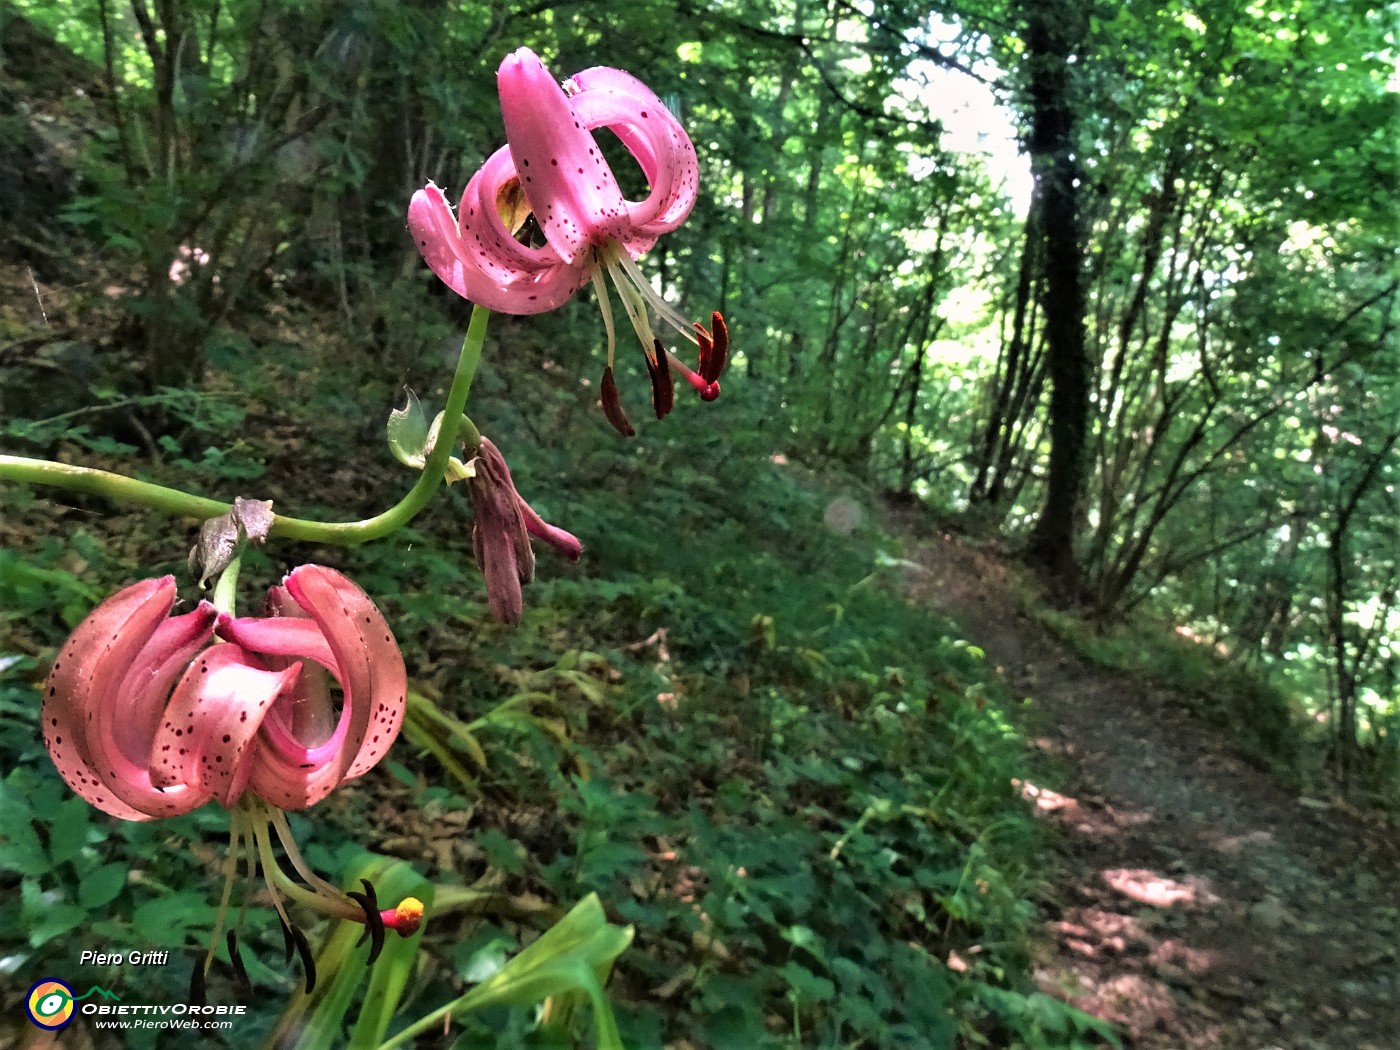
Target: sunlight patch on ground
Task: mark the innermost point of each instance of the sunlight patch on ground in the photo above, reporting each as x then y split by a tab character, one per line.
1091	817
1044	799
1147	887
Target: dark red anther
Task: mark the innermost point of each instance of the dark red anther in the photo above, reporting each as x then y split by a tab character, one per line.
196	995
308	958
714	351
236	960
374	921
663	387
612	405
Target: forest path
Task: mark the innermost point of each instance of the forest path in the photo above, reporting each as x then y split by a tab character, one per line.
1198	903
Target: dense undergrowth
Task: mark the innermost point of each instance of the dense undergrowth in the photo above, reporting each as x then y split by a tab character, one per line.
725	720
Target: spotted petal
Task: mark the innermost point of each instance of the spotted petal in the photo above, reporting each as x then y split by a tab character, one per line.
107	684
572	190
480	260
609	98
347	635
207	743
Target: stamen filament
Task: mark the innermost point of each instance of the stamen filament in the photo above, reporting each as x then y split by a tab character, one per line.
664	309
600	289
289	845
269	866
636	309
230	873
338	907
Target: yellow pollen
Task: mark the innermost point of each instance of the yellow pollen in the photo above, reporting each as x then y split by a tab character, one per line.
408	916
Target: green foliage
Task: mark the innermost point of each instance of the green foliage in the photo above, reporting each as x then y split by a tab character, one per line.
781	792
199	414
794	781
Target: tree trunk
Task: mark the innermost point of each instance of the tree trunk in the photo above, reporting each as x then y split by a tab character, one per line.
1051	34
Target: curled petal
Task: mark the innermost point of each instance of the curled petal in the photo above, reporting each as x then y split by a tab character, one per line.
572	190
490	236
486	269
113	672
313	716
346	634
203	743
132	720
371	667
609	98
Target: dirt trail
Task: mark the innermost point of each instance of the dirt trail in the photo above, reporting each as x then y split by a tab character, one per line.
1199	903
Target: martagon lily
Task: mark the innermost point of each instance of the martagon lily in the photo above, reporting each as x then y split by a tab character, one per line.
553	160
144	719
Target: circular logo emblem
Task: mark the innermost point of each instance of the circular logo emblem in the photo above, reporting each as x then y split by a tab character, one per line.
50	1004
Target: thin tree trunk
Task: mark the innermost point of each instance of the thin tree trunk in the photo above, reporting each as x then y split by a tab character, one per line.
1050	42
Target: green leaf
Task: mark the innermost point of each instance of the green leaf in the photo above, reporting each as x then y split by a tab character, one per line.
482	961
21	851
167	920
408	432
101	886
57	920
502	851
808	986
570	961
805	937
68	833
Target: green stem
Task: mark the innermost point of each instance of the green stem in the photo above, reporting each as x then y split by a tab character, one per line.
175	503
226	590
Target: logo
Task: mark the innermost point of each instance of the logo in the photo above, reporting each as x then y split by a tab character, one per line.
50	1003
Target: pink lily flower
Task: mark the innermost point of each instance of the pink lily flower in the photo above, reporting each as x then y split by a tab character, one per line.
590	228
144	719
